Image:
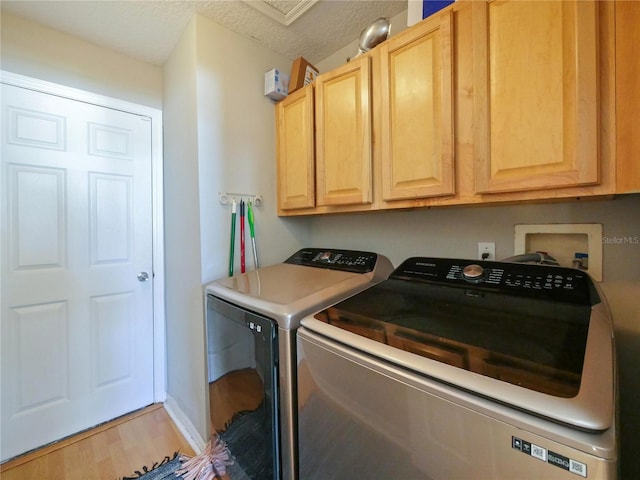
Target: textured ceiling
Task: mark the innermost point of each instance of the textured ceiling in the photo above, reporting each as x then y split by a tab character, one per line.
148	30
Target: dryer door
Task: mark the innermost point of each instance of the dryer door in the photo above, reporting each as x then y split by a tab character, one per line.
242	352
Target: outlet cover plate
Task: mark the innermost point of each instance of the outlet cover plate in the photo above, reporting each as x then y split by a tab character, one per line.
487	247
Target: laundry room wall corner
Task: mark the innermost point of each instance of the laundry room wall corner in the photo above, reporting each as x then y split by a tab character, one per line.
184	305
236	149
211	80
37	51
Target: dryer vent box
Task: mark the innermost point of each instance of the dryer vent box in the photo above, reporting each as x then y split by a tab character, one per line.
573	244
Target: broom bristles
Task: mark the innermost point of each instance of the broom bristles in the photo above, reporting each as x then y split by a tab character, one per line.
208	465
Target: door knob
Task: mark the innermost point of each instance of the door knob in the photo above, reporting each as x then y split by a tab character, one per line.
143	276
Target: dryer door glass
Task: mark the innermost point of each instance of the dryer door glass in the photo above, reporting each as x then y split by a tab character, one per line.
243	390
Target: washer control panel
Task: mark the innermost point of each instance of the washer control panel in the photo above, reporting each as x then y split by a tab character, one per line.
345	260
562	284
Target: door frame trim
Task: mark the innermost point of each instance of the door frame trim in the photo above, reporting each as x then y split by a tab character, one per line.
159	331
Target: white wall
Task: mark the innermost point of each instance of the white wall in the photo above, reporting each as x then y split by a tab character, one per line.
183	291
40	52
236	148
219	137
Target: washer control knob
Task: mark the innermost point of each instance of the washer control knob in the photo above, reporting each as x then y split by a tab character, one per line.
472	272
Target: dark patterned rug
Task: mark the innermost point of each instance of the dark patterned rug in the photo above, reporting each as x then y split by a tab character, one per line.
164	470
246	429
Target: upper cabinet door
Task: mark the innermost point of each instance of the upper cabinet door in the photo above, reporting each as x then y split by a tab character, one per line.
627	97
295	147
417	111
536	94
343	135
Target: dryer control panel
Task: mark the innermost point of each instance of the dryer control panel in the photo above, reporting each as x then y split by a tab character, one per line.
344	260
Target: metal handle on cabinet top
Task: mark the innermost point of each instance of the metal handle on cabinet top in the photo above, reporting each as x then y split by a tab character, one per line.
143	276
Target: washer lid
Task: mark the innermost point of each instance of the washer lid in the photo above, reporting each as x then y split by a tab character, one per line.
529	342
542	346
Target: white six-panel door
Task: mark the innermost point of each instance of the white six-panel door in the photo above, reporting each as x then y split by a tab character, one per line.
77	323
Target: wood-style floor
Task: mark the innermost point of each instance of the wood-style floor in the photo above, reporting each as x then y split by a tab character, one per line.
237	391
108	452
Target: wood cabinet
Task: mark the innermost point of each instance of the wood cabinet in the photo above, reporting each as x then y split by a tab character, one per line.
295	147
416	110
536	94
324	141
627	96
414	128
484	102
343	134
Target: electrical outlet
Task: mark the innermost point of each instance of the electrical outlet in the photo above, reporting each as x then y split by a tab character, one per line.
486	251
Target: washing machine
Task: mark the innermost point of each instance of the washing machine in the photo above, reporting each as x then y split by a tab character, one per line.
459	369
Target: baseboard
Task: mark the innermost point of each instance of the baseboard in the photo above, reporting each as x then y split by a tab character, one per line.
187	429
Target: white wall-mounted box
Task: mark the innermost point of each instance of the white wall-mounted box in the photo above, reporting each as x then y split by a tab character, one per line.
276	84
563	241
